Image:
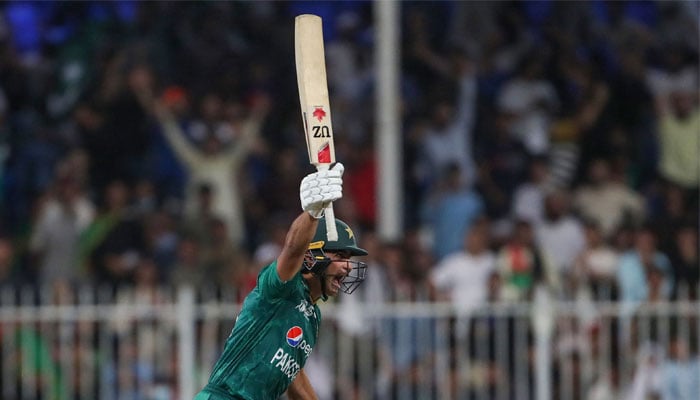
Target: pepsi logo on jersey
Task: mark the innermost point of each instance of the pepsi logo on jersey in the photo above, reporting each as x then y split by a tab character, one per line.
294	336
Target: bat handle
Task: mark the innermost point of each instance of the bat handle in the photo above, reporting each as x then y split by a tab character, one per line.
331	231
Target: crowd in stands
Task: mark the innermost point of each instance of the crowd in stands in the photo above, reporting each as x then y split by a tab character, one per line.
545	144
559	140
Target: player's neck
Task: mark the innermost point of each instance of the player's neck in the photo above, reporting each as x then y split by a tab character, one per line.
314	285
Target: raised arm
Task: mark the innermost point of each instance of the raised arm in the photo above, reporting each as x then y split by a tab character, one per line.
466	100
250	130
299	236
186	152
460	68
316	191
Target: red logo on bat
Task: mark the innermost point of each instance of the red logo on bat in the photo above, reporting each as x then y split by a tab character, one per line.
324	154
319	113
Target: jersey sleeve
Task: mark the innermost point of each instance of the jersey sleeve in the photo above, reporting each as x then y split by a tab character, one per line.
271	286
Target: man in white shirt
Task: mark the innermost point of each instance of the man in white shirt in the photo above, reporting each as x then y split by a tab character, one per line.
560	234
530	100
463	275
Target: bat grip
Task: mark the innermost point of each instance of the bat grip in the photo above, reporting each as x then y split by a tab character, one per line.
331	231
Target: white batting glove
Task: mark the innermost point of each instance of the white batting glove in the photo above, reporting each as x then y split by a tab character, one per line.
320	188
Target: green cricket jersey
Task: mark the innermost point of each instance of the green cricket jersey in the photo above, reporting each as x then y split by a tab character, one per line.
273	336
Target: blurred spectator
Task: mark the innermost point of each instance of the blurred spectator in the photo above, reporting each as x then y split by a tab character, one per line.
168	175
31	165
220	254
685	263
560	234
113	244
216	164
117	145
344	67
681	367
144	201
502	166
635	265
450	212
151	348
237	277
677	25
580	130
462	276
595	268
349	75
679	140
522	265
188	268
161	238
197	221
623	239
272	242
448	138
528	199
209	121
408	283
62	218
649	334
655	277
530	101
674	72
608	386
607	202
646	377
631	116
490	366
675	208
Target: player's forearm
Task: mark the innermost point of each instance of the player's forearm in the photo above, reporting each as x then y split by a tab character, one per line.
300	233
296	243
301	388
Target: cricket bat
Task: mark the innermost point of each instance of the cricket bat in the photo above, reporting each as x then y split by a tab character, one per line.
313	97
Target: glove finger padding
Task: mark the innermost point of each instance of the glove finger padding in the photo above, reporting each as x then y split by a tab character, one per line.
339	168
320	188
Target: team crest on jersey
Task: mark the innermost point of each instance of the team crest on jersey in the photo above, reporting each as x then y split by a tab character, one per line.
306	308
294	335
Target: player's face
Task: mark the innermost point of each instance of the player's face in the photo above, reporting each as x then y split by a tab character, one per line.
337	271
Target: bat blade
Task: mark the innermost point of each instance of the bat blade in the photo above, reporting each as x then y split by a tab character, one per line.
314	100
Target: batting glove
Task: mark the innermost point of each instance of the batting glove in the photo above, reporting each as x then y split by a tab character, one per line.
320	188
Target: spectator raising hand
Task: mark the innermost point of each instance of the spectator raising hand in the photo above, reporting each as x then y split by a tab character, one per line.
215	164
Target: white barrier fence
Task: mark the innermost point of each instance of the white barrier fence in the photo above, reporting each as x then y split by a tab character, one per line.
156	345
